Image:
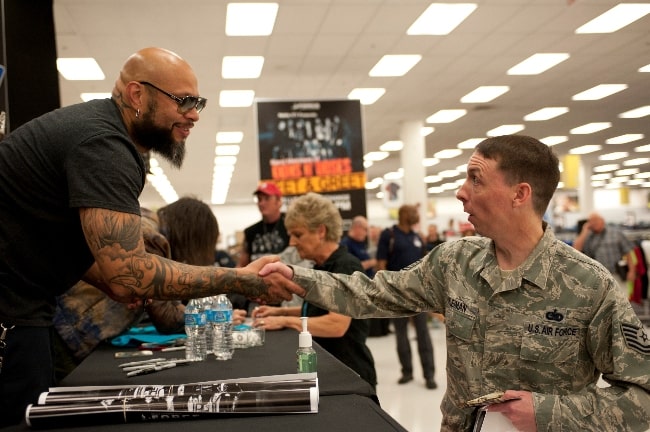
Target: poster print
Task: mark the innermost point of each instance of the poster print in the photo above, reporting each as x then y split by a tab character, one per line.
314	146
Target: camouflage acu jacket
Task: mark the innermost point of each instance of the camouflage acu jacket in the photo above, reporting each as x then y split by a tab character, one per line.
552	327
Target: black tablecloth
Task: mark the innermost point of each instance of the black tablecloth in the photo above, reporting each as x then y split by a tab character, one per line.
277	356
346	401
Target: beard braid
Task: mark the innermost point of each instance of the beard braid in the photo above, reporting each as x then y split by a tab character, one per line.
158	139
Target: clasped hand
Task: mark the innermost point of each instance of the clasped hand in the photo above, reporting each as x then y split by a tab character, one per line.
520	411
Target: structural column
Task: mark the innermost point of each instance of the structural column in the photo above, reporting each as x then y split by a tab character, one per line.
585	190
412	155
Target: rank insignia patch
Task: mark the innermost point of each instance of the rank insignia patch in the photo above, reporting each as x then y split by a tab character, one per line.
636	338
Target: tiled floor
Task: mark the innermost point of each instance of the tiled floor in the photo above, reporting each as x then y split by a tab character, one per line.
415	407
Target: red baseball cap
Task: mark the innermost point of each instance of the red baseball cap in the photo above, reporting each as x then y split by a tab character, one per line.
268	188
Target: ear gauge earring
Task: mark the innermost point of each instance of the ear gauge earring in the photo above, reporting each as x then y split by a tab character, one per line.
137	113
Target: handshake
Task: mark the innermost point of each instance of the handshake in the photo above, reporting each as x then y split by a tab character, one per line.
267	280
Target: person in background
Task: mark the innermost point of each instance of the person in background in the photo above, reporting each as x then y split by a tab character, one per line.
268	236
69	187
526	314
433	237
355	242
315	228
185	231
400	246
222	258
606	244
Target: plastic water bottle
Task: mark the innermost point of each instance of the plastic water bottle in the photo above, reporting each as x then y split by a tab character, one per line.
206	303
195	322
222	346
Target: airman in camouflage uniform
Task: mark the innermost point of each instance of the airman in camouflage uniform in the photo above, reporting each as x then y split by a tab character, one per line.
525	313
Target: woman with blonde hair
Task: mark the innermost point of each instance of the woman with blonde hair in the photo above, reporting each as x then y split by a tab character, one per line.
315	228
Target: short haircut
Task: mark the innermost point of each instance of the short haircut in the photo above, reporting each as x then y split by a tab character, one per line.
525	159
311	211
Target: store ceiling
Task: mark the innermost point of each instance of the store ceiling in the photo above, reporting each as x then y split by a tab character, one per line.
322	49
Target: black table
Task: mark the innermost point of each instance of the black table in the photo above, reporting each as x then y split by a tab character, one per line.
346	401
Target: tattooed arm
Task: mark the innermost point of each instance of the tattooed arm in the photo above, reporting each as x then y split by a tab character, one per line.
127	273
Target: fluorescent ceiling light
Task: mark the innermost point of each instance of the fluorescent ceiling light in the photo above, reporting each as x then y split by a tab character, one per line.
624	139
484	94
645	68
389	146
599	92
375	156
546	113
426	130
236	98
447	154
446	116
435	190
538	63
448	173
441	18
469	144
636	113
643	148
636	161
613	156
394	175
606	168
603	176
230	137
394	65
554	140
642	175
90	96
80	69
505	130
227	150
432	179
615	19
590	128
241	67
627	172
617	180
222	161
449	186
429	162
250	19
367	96
585	149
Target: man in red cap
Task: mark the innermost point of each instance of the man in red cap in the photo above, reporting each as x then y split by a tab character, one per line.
268	236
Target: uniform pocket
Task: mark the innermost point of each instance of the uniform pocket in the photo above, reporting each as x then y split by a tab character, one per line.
558	345
459	324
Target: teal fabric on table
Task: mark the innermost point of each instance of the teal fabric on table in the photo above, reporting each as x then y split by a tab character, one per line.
137	335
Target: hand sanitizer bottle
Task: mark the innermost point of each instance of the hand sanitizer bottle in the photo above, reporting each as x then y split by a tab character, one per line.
306	356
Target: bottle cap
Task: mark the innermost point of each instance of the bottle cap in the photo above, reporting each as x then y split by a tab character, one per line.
304	338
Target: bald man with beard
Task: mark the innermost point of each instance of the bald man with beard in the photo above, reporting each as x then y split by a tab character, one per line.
69	187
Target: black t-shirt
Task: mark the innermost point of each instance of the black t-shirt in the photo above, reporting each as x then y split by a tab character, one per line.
266	239
73	157
351	348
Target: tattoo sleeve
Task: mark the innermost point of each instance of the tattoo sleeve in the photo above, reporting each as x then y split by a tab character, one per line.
115	240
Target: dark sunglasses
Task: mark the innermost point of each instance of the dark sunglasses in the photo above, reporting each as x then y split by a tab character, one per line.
185	104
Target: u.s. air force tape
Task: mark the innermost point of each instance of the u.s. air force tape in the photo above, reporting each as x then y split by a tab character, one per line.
636	338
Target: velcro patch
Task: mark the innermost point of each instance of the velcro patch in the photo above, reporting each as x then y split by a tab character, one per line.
636	338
